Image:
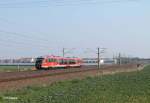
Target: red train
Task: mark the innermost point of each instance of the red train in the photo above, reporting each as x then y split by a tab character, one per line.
57	62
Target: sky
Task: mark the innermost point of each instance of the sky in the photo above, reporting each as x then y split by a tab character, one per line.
31	28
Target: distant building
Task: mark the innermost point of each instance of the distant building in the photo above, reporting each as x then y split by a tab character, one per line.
94	61
20	60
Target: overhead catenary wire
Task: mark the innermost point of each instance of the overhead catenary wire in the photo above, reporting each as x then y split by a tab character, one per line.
25	48
13	37
50	3
6	3
24	34
22	44
16	4
30	38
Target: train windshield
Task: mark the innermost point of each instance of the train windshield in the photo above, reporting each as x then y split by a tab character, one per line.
39	59
39	63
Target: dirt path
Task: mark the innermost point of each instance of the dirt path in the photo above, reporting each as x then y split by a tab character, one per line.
44	81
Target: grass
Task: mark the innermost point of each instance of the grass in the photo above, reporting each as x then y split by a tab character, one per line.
10	68
131	87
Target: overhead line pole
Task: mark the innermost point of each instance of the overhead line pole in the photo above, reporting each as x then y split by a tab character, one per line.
120	61
63	52
98	54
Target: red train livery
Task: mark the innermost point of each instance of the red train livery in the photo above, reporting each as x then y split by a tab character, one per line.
57	62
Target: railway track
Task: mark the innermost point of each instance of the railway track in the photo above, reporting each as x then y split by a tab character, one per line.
15	76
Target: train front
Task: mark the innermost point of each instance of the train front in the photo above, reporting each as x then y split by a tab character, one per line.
38	63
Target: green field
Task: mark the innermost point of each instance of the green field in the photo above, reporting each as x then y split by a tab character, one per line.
10	68
131	87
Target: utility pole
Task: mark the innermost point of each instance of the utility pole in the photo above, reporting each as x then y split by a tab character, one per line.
120	62
18	67
63	52
99	51
98	58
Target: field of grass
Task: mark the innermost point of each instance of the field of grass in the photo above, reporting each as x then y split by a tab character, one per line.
131	87
14	68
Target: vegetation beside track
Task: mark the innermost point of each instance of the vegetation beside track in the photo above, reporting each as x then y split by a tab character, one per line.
10	68
133	87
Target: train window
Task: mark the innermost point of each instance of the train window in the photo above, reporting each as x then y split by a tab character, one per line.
65	61
68	61
71	61
93	61
54	60
85	61
49	60
39	59
74	61
61	61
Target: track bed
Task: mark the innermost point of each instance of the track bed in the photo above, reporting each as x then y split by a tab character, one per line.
19	80
13	76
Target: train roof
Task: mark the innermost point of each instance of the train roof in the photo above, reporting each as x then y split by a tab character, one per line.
58	57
